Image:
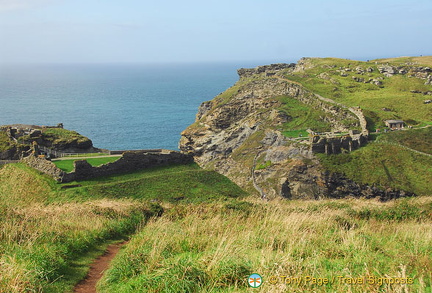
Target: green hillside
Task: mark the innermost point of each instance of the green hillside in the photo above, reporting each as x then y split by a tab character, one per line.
352	83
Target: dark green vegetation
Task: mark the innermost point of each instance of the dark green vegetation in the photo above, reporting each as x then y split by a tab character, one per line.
68	165
5	142
417	139
384	165
386	161
46	231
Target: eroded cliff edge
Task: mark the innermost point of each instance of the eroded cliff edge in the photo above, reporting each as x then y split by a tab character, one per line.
241	134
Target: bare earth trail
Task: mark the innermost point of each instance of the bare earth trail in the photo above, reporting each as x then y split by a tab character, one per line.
97	268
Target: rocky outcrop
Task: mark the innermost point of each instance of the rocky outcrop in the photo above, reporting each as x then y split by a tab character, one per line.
54	138
338	186
268	70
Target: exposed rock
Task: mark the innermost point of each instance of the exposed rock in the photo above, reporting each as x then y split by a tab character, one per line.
269	69
358	79
387	70
203	109
339	186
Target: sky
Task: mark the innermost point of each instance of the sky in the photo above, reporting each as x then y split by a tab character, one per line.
167	31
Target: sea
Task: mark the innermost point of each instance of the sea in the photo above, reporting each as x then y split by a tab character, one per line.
118	106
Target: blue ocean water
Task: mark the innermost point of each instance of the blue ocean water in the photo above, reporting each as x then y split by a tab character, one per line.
118	106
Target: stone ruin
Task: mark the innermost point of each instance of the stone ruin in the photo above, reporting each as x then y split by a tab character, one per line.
130	161
333	144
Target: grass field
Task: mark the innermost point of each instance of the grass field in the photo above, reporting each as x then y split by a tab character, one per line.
210	237
214	247
68	165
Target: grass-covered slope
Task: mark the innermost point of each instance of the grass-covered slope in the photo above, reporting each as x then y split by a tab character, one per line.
47	233
351	83
215	247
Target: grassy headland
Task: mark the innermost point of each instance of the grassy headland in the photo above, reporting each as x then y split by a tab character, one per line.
349	82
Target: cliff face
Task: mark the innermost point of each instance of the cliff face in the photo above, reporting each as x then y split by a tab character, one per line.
239	134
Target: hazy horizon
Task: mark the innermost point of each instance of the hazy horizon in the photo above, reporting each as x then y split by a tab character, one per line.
132	31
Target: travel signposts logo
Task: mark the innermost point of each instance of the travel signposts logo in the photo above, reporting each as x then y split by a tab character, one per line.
255	280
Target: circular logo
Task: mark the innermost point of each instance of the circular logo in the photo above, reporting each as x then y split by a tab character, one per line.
255	280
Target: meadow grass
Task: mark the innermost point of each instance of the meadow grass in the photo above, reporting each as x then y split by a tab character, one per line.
214	247
301	117
39	241
48	235
68	165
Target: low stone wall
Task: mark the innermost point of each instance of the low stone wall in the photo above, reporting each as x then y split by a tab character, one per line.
130	161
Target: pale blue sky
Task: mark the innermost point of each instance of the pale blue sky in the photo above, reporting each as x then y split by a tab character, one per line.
211	31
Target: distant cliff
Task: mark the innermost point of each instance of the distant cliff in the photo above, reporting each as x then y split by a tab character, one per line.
264	132
16	140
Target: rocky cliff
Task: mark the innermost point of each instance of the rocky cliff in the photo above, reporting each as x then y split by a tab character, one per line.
16	140
242	134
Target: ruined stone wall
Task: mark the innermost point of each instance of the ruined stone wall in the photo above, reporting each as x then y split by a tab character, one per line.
336	145
130	161
45	166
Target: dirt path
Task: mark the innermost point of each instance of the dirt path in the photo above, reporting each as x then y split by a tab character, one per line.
97	268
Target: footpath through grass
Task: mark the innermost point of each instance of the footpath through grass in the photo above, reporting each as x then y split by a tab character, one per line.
326	245
47	233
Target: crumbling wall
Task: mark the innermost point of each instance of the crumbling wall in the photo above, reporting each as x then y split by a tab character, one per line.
336	145
129	162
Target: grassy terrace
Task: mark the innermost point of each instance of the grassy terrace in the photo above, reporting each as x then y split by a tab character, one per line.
68	165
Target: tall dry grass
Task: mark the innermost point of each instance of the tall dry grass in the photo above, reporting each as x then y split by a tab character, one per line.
214	247
39	240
